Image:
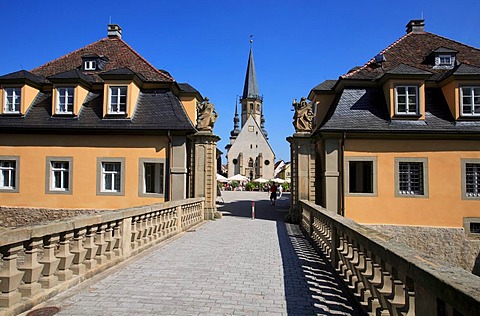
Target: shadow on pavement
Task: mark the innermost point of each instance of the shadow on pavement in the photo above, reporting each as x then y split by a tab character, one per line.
311	285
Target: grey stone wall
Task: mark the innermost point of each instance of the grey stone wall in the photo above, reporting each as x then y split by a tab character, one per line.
447	246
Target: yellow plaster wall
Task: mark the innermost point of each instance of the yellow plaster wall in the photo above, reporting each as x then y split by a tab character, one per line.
190	105
80	95
451	94
444	206
33	150
28	95
322	104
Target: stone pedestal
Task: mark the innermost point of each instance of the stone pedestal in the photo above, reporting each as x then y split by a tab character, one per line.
204	169
302	151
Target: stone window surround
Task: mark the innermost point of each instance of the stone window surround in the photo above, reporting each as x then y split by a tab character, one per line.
141	176
464	162
100	161
466	227
424	162
17	174
373	159
48	175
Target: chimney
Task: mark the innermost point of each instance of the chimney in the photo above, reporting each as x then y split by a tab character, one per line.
114	30
416	26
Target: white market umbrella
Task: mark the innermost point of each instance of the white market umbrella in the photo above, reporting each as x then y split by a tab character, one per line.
238	177
221	178
260	180
277	180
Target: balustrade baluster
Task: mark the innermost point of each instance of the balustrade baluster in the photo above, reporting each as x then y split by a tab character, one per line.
110	242
135	233
91	248
101	244
398	298
66	257
49	261
145	238
78	267
150	232
117	237
10	276
140	230
31	268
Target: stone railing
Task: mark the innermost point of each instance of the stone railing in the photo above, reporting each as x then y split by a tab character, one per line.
385	277
38	262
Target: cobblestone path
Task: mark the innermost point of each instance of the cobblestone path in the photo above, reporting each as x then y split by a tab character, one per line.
232	266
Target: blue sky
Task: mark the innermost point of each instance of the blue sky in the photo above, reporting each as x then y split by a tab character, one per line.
297	44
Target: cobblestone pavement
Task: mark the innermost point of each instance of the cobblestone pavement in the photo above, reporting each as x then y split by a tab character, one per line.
232	266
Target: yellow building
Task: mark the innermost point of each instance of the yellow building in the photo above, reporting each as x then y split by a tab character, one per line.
97	128
397	140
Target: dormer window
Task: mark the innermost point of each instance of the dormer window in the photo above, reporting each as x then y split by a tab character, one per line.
406	100
118	100
65	97
12	101
90	65
470	100
445	60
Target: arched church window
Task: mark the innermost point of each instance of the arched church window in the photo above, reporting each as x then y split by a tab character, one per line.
250	163
251	107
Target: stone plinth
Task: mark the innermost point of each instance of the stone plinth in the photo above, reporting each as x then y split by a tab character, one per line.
204	171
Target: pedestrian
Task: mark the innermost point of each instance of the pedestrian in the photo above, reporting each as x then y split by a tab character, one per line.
280	190
273	193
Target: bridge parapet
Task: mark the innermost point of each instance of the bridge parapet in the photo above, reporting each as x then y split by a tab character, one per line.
38	262
388	278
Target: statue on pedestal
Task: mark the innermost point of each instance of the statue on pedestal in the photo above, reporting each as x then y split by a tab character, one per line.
303	117
206	115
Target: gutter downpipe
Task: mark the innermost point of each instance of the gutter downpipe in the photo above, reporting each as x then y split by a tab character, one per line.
169	154
342	166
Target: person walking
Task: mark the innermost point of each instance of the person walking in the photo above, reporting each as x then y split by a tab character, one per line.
280	190
273	193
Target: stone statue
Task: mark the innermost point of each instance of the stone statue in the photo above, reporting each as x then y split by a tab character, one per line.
206	115
303	117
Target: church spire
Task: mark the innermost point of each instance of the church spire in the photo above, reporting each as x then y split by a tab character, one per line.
236	130
250	88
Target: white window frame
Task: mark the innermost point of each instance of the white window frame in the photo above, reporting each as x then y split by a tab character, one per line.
472	97
407	193
160	175
114	99
66	93
65	172
90	65
102	174
450	59
15	93
407	103
12	172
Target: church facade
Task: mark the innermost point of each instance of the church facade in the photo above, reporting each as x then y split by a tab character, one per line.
249	152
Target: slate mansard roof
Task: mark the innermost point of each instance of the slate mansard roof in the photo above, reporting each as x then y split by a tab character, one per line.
361	107
157	109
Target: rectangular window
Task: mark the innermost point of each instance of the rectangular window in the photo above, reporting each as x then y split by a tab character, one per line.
470	99
475	228
445	60
406	100
152	177
12	101
118	100
472	179
59	175
110	176
411	176
90	65
360	176
9	175
65	100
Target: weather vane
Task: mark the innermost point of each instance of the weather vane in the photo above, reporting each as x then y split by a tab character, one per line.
251	40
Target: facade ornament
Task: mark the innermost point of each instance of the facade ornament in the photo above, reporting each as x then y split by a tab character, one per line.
303	117
206	115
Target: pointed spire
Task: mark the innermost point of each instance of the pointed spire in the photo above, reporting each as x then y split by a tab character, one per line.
250	89
236	120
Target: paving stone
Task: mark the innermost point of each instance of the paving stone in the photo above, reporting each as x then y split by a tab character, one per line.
232	266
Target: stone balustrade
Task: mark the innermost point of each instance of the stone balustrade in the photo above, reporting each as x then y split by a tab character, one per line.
385	277
38	262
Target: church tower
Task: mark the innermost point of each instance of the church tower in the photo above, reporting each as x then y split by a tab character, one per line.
249	152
